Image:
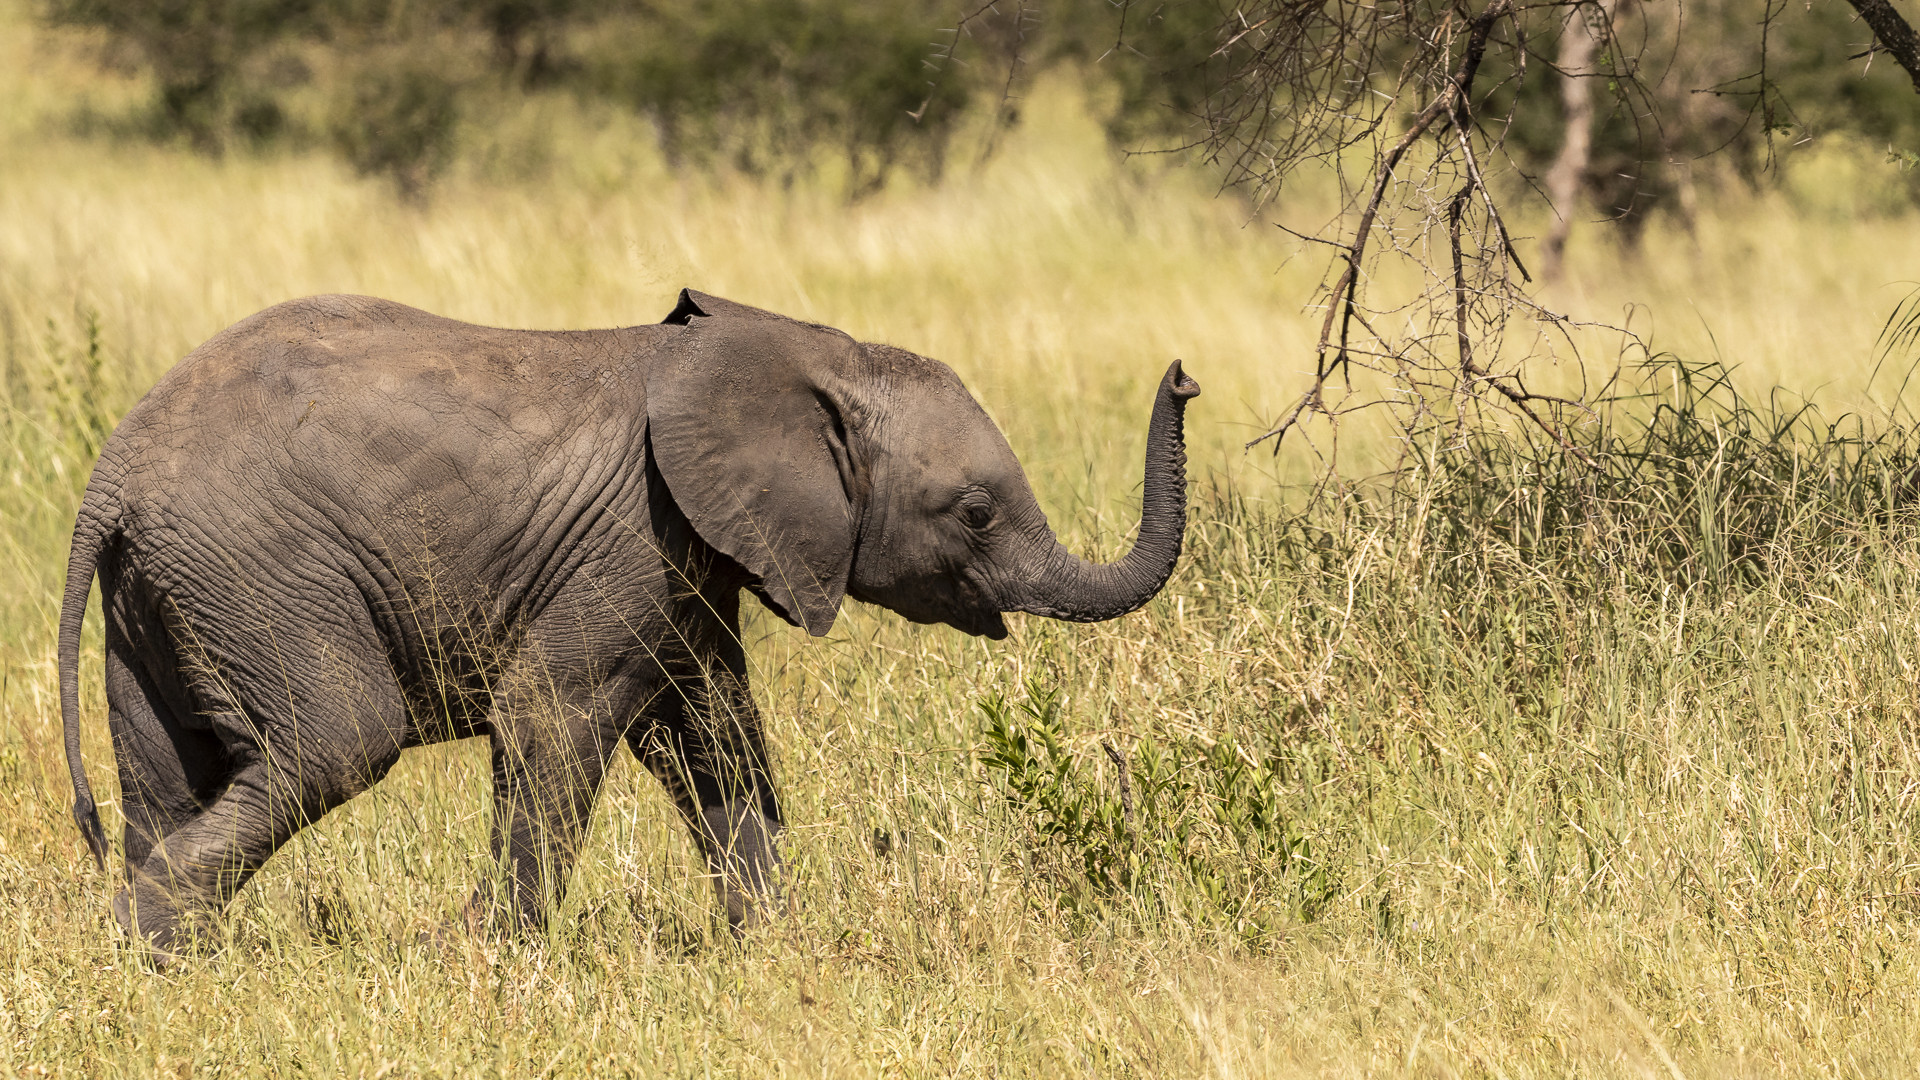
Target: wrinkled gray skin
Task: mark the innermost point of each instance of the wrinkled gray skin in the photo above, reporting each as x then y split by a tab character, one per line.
344	527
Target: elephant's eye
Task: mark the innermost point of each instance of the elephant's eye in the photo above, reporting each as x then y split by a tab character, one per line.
976	511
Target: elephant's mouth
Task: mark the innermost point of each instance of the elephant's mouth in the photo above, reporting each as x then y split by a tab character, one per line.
965	608
988	625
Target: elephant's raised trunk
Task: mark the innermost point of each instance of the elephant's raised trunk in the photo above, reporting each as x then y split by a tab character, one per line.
1071	588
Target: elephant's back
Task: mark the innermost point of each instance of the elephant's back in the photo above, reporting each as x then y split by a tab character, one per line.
360	341
361	407
362	363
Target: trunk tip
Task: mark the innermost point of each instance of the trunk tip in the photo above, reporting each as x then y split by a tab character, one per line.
1179	384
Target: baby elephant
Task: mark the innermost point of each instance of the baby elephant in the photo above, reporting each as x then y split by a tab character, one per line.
344	527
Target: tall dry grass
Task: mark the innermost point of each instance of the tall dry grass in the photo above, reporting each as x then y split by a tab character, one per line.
1556	800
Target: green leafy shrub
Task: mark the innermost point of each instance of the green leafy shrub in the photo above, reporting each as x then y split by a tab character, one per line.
1188	826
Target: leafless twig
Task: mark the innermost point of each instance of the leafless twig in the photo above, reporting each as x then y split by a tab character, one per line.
1450	101
1126	785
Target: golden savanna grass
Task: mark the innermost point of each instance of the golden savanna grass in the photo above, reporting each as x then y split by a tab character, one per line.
1568	820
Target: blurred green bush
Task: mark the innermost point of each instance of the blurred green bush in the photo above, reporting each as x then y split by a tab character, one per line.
197	50
398	121
766	85
1724	89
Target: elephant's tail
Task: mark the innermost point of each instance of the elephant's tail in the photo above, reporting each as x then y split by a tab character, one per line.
98	523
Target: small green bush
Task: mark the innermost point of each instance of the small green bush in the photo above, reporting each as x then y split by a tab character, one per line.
1187	826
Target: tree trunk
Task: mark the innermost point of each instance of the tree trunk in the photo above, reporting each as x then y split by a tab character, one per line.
1587	27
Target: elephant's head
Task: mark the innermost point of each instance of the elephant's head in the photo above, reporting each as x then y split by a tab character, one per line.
830	468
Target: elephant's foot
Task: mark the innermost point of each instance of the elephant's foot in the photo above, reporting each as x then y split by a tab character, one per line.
158	930
744	854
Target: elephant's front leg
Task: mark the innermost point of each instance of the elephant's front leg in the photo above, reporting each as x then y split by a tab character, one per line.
704	742
550	751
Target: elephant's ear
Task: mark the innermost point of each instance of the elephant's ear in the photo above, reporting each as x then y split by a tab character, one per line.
698	305
747	417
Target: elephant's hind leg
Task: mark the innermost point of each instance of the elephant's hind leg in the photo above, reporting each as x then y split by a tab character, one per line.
297	749
168	770
194	870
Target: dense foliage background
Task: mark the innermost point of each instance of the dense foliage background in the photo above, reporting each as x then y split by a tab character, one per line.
776	86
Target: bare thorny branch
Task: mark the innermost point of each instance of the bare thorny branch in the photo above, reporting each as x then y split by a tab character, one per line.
1319	60
1893	34
1472	374
1454	101
948	55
